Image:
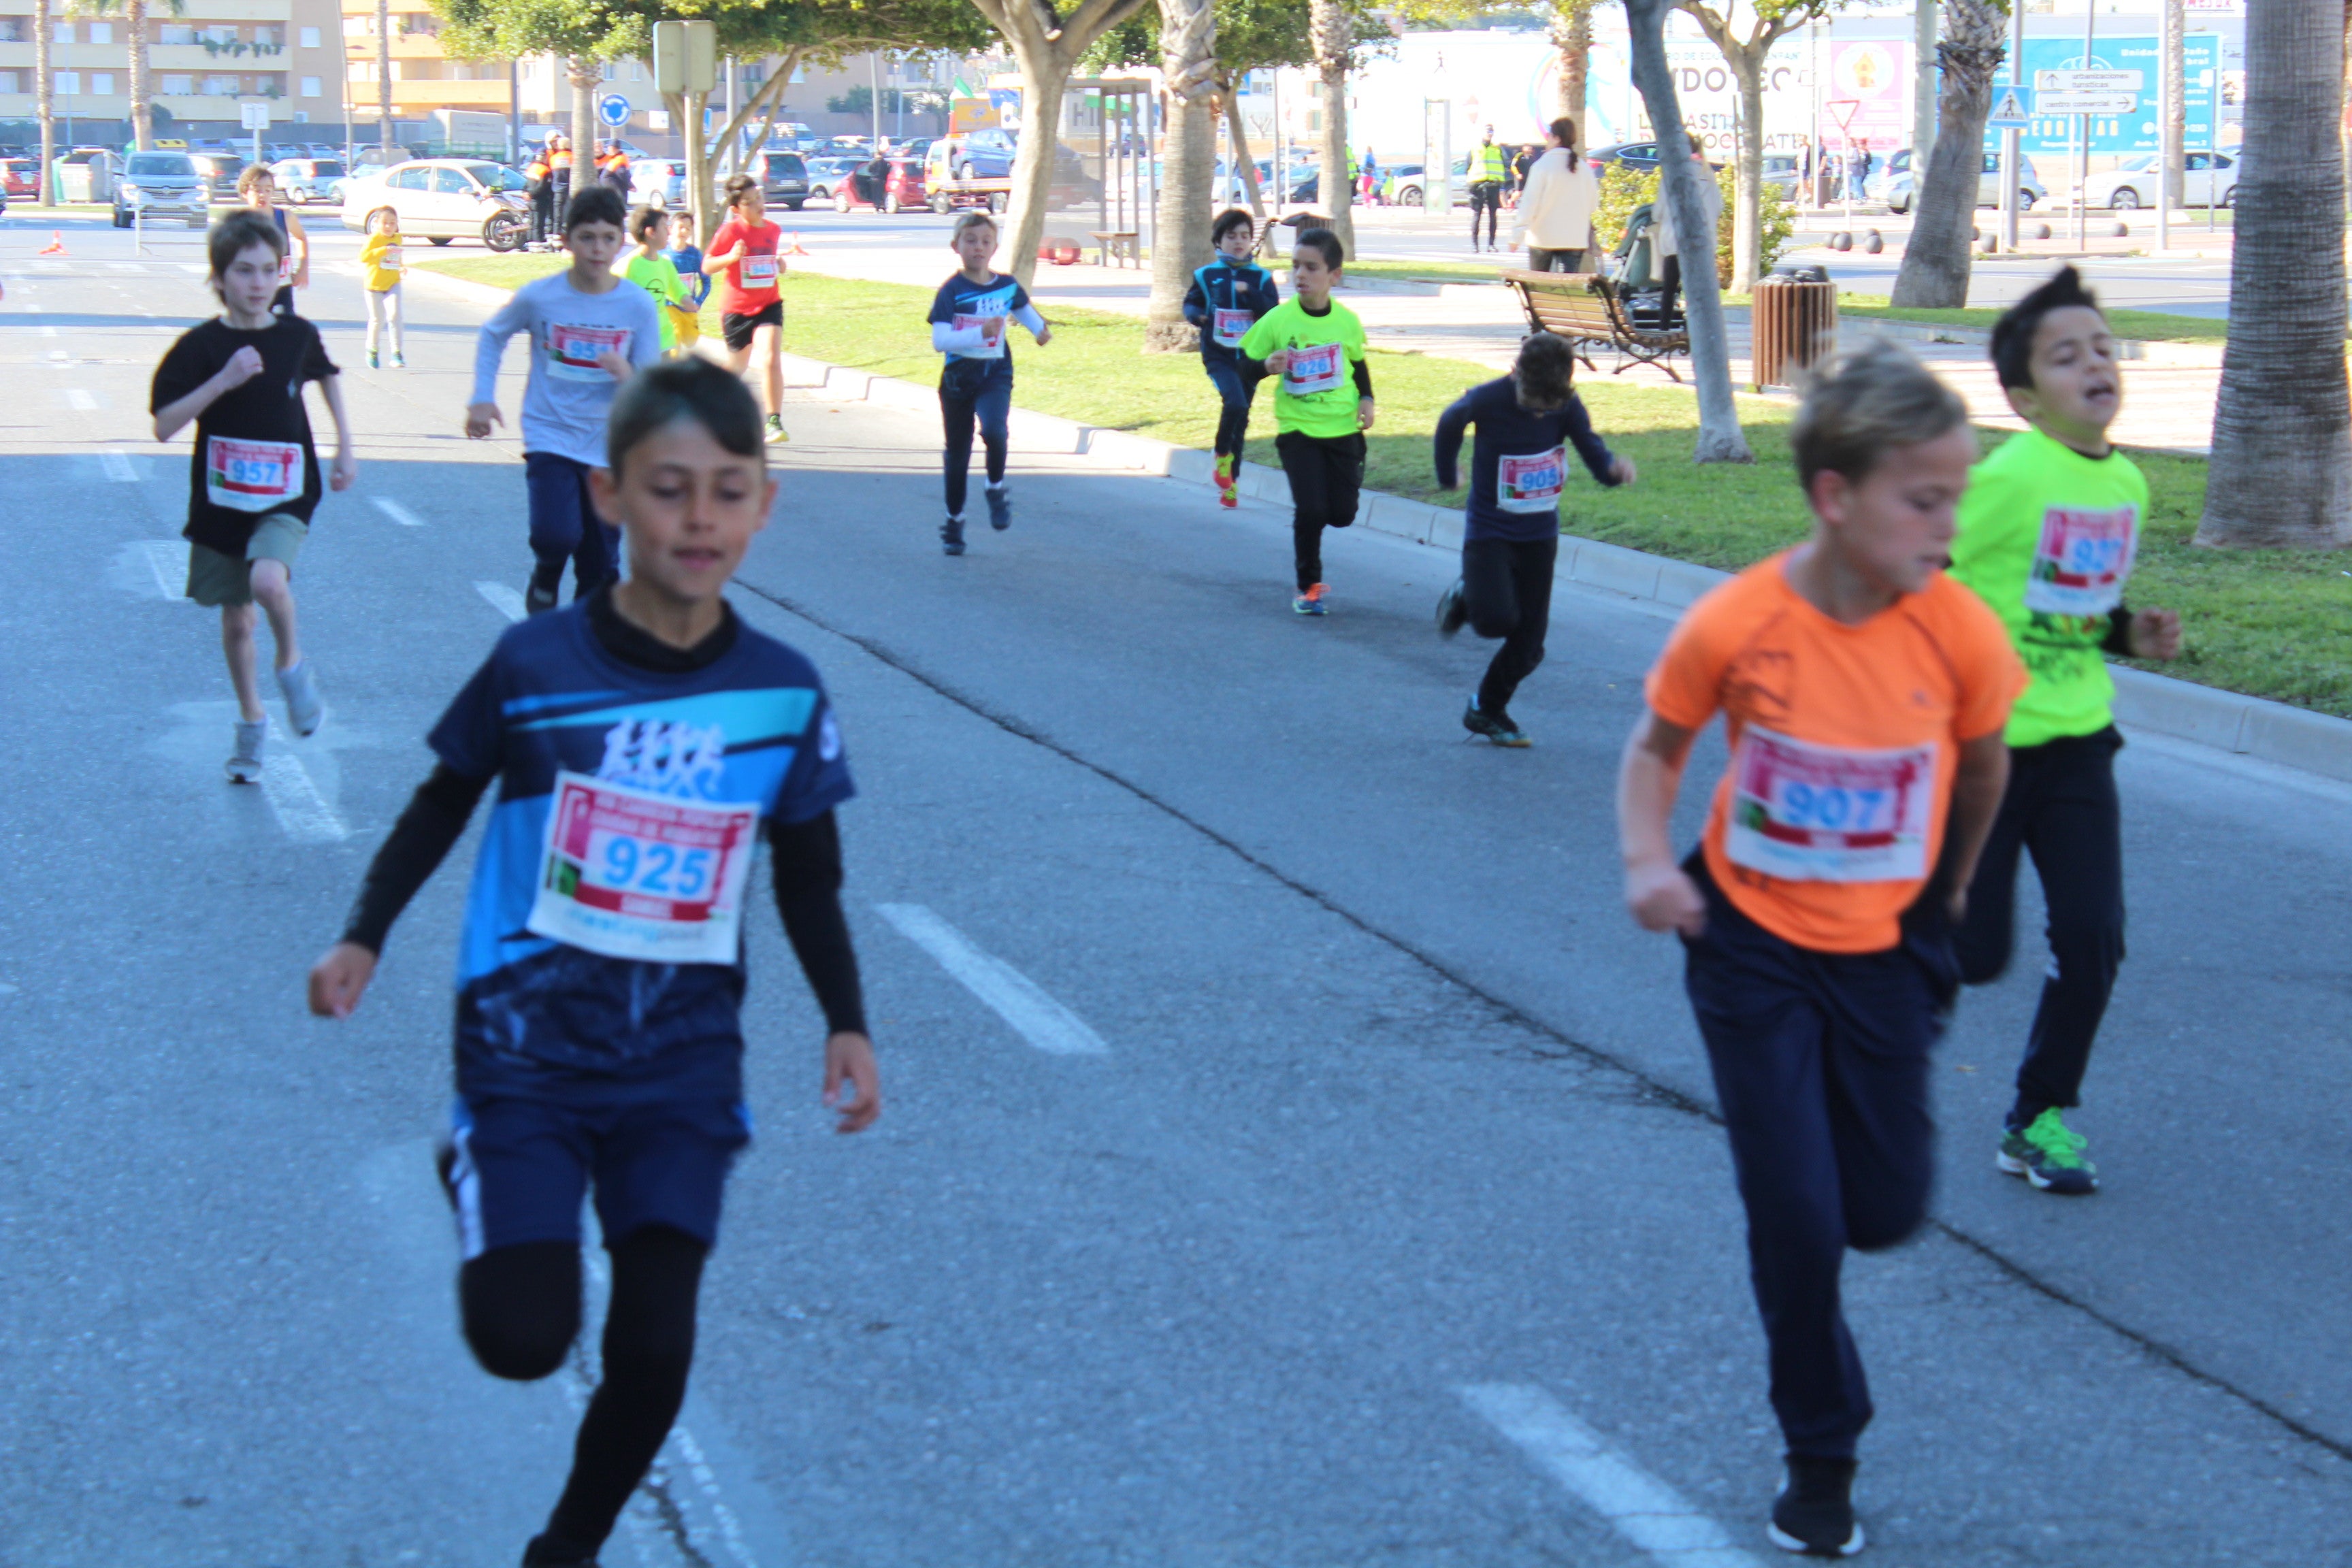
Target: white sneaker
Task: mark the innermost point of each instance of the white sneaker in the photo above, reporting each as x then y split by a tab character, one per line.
245	762
304	710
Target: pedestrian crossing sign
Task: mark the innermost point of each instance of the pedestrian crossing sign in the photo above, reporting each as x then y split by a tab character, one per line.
2011	110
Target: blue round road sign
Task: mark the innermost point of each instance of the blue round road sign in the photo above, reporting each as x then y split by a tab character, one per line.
612	108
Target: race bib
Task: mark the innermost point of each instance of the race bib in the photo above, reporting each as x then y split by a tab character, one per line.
759	271
1314	369
2082	560
286	269
1820	814
631	874
1532	483
571	351
390	260
252	476
1227	327
964	323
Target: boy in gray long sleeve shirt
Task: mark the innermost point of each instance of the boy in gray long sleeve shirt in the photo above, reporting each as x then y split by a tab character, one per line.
590	331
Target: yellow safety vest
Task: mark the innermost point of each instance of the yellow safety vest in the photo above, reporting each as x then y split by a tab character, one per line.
1491	164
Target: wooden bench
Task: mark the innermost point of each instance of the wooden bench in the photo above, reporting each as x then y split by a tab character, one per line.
1121	245
1586	309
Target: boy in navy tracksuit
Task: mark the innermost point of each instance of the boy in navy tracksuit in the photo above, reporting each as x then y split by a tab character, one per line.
1510	530
1225	300
970	317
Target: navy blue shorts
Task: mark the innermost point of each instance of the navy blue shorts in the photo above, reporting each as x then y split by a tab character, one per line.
523	1166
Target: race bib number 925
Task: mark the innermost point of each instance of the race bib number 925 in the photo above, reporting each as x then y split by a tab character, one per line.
631	874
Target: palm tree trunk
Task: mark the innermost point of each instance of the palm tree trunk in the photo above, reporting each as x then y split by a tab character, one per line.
1720	439
2281	474
1571	35
142	114
586	77
1935	263
1180	238
1332	27
383	76
2173	134
1747	192
1044	75
45	101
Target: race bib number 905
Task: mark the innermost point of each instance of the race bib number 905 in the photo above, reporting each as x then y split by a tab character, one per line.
1531	483
1312	370
1821	814
630	874
251	475
2082	560
1227	327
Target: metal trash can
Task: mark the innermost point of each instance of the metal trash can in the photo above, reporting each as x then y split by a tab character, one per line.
1793	323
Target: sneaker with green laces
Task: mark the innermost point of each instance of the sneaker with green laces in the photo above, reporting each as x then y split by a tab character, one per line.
2048	1153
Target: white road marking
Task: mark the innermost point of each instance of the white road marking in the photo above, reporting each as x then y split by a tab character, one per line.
1637	1505
503	599
397	512
1035	1016
80	402
296	802
48	331
116	465
168	559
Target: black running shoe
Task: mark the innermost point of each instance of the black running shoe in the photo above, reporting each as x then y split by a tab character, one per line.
1000	509
538	601
951	536
546	1552
1813	1513
445	1165
1450	613
1495	727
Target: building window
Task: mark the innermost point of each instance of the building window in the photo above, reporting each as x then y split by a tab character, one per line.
64	33
175	33
311	87
102	32
220	35
220	87
310	36
179	85
7	82
69	83
101	83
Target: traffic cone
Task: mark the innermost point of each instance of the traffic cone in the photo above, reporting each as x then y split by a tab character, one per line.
57	246
797	249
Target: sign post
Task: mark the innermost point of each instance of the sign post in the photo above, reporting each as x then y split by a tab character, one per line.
254	117
1842	111
2086	93
614	110
2013	109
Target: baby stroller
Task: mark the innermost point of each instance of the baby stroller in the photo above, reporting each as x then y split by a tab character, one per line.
1633	267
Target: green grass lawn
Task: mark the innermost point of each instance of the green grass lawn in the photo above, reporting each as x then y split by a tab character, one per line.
2270	624
2159	326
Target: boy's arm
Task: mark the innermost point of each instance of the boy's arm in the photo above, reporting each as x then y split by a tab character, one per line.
174	416
1599	460
490	346
1450	425
301	242
1661	896
1029	317
1196	303
347	467
1978	786
426	831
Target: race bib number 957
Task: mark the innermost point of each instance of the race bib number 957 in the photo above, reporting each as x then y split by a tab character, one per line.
251	475
1824	814
631	874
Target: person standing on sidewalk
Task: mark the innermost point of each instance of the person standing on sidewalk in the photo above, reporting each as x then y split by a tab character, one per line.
1554	218
1490	171
1668	243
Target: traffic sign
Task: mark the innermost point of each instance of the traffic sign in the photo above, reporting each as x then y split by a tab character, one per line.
252	116
2105	82
686	57
613	109
2011	110
2108	103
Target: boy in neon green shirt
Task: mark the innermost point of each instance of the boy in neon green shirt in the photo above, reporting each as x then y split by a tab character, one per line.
655	273
1322	404
2048	530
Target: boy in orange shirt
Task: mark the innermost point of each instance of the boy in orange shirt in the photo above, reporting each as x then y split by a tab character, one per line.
1866	694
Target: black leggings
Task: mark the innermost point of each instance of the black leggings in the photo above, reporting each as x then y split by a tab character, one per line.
1486	196
964	400
1325	473
1507	591
1235	387
521	1309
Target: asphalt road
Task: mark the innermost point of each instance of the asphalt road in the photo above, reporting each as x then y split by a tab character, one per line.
1293	1156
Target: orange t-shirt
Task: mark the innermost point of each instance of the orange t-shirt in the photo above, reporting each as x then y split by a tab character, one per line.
1843	740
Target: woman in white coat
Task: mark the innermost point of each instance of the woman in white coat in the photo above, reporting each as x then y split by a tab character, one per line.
1554	218
1711	199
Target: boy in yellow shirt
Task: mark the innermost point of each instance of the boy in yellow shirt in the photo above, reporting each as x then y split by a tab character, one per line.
380	261
651	270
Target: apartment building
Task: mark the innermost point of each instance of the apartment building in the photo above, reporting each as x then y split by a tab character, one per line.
201	66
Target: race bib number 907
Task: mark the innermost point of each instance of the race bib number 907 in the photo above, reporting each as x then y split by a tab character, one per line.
631	874
1822	813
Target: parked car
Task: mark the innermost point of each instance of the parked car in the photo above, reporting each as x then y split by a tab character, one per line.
160	186
441	199
902	192
1642	157
657	182
2209	179
824	174
783	176
302	180
1780	171
20	176
1407	189
1895	189
981	155
220	171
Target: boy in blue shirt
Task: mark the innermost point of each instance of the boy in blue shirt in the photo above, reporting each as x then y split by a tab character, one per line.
1510	531
1225	300
968	320
686	258
640	741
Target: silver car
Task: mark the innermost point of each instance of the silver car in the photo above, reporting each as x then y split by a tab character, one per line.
158	186
1892	184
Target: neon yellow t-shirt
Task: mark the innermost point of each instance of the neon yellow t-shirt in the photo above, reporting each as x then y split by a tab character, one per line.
659	278
2047	538
1316	394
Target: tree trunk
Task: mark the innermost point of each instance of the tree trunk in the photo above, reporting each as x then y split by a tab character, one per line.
142	114
1228	101
1180	235
2281	474
1333	29
2172	136
1719	437
45	101
586	77
1044	73
1571	35
383	79
1935	263
1748	190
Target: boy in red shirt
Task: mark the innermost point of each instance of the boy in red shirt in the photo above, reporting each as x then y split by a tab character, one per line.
750	299
1866	695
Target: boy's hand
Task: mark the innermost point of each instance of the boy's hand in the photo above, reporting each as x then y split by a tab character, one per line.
1624	471
1045	335
1277	362
992	330
479	418
339	978
1363	414
2156	634
1662	897
851	1055
242	367
346	470
613	365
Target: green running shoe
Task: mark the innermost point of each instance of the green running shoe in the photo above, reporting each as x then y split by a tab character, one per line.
2048	1153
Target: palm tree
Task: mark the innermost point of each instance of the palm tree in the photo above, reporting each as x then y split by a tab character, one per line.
383	76
1188	65
1936	262
1331	26
2281	475
134	22
1571	35
45	101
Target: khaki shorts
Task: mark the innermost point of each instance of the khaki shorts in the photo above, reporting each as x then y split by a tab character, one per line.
215	579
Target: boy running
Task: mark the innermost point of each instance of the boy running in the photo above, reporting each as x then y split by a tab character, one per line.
589	329
381	269
1864	693
686	259
1510	531
253	478
1227	297
968	323
1322	406
639	742
750	295
257	187
649	268
2048	530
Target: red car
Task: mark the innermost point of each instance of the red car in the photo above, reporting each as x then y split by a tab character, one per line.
17	177
902	192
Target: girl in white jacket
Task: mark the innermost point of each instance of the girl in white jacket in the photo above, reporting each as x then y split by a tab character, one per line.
1554	218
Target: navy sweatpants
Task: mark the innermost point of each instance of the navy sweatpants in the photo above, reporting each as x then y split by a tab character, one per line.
564	526
1820	1065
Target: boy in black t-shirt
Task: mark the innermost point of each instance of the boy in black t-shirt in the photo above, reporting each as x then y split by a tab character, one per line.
254	476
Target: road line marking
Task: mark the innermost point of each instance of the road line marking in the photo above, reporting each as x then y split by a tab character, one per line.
116	465
168	559
1637	1505
298	807
1017	999
397	512
48	331
503	599
80	402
